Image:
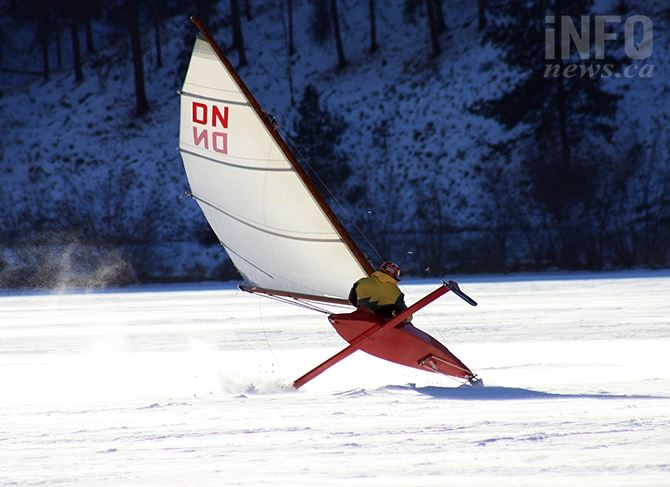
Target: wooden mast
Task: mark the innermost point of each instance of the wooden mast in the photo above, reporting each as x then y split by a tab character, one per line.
304	177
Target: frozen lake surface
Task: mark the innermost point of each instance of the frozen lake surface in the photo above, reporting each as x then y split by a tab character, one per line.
190	385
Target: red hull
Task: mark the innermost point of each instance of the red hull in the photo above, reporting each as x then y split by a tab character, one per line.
393	341
405	345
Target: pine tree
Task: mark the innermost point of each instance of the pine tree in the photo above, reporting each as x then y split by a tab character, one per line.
76	55
562	123
373	27
158	8
325	21
89	9
288	37
238	40
409	10
481	14
431	17
291	45
439	16
558	112
44	35
434	18
141	105
342	62
56	27
317	134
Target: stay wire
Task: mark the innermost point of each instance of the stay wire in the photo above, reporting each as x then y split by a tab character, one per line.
425	315
300	304
275	363
348	216
351	220
260	316
304	160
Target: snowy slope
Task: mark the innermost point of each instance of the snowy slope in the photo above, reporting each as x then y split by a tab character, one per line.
75	156
188	385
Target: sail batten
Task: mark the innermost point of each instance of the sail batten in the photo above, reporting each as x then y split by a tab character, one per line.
239	166
278	231
221	100
261	229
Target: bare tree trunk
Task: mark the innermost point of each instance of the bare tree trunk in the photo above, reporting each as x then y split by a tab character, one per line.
157	33
481	10
89	30
373	29
430	15
561	106
563	126
291	46
141	104
76	56
44	36
247	9
289	71
439	16
342	62
238	41
59	55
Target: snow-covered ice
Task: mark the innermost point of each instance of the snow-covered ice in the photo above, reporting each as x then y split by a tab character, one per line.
189	385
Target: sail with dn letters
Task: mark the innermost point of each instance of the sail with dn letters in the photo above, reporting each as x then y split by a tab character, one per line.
278	230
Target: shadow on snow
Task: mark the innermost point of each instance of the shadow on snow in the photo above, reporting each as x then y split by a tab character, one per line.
498	393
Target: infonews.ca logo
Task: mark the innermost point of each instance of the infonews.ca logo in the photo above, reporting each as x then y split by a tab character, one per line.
561	34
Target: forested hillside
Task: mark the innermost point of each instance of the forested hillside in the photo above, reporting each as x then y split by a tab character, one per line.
440	143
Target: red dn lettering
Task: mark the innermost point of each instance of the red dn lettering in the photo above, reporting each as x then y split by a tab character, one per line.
203	114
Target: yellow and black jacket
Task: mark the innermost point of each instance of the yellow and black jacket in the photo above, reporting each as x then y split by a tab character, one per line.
380	294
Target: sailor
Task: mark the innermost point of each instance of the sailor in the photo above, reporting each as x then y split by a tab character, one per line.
379	292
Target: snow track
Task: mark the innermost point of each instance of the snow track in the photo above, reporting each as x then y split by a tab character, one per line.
189	385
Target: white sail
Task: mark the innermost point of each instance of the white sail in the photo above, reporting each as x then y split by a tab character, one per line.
271	225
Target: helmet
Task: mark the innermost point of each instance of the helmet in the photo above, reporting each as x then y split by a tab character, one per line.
388	267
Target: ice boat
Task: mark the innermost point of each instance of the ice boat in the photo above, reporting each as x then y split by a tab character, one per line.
280	233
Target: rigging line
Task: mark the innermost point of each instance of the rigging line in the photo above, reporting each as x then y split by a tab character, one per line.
295	302
330	193
289	76
461	368
436	330
424	314
306	305
461	382
245	260
457	367
351	220
339	204
275	362
260	316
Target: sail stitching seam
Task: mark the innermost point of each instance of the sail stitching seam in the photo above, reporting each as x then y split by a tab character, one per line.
239	166
231	102
277	234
